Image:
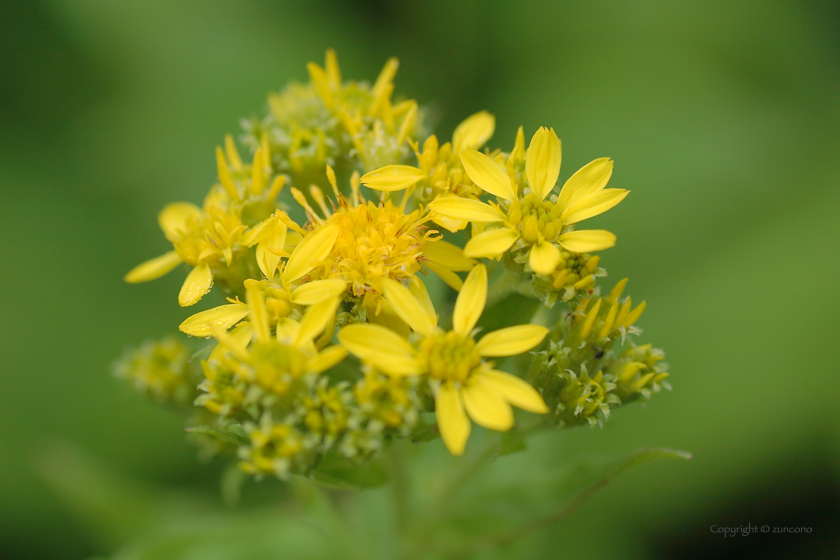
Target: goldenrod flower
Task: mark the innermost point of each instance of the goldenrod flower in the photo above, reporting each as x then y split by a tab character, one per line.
465	386
364	243
541	225
161	369
212	239
439	171
596	322
274	448
580	374
276	363
390	400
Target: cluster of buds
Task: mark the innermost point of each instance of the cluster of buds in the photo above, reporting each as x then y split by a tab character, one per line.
330	346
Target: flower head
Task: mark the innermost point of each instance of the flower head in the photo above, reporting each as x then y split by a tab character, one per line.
529	219
364	243
452	362
213	239
439	171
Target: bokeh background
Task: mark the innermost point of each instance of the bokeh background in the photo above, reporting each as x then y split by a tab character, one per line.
722	118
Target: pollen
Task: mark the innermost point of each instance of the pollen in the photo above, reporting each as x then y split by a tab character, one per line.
450	357
535	218
374	242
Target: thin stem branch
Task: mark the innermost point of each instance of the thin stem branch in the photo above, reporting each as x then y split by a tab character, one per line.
522	532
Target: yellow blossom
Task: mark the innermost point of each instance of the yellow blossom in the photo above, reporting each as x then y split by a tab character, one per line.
542	225
276	362
377	128
439	171
364	243
211	239
465	385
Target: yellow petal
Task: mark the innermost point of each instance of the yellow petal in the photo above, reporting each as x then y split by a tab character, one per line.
470	303
268	251
327	358
198	282
332	69
486	408
382	348
287	330
224	317
232	153
590	178
257	232
392	178
448	223
224	175
242	334
473	132
321	83
452	421
316	318
592	205
487	174
153	268
511	340
447	255
234	345
408	308
452	280
314	247
418	290
544	257
514	390
587	240
491	243
174	217
259	314
466	209
542	162
518	151
318	291
386	76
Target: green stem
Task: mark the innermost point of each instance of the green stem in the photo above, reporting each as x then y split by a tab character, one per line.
522	532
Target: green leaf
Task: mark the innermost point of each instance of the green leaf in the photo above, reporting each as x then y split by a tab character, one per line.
233	434
497	506
339	473
425	433
513	441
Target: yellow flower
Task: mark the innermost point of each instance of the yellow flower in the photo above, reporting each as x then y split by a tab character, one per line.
277	362
610	321
439	171
377	128
273	448
528	219
211	239
363	243
465	386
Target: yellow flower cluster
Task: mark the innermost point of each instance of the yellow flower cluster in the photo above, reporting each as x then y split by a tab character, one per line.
330	344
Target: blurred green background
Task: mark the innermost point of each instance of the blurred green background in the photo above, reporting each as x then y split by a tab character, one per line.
722	119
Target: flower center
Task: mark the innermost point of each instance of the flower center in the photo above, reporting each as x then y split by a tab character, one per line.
374	242
450	357
535	218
